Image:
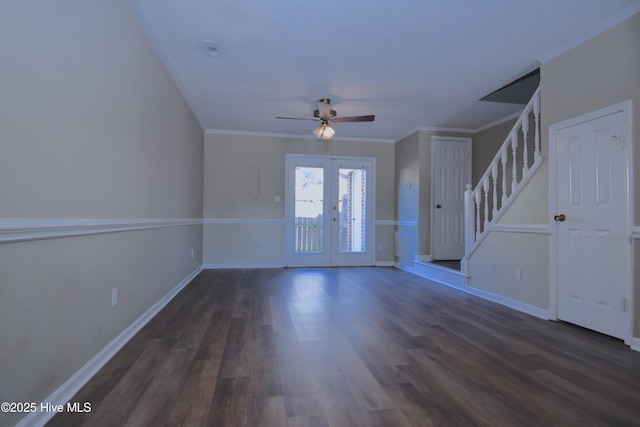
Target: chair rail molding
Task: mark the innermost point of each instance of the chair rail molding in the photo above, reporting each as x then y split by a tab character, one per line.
25	229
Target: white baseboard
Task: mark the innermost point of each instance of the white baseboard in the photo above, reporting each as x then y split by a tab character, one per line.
404	267
385	264
508	302
529	309
66	391
635	344
239	265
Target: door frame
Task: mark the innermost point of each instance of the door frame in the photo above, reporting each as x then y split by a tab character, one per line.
288	197
432	221
626	108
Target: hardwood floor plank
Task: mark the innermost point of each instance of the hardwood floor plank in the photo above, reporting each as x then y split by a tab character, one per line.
266	411
155	403
230	403
237	350
356	347
118	405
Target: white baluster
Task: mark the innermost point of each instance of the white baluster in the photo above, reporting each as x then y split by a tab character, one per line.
525	153
536	116
485	187
478	197
503	160
469	223
494	175
514	148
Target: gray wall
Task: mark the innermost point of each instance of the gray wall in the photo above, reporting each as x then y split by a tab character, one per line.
241	231
92	127
486	144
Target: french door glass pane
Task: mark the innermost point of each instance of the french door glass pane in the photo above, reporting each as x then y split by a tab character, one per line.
309	194
352	209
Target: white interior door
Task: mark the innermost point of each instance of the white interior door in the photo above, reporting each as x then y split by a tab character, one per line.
591	224
329	211
451	167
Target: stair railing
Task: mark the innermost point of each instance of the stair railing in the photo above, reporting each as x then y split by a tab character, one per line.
511	164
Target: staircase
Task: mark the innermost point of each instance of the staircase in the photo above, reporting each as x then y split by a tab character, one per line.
515	162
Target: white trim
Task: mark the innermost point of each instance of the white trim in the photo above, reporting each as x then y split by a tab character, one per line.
446	277
532	310
626	108
521	228
521	185
66	391
424	258
635	344
242	265
296	136
268	221
407	223
445	129
499	121
259	221
19	230
385	264
603	26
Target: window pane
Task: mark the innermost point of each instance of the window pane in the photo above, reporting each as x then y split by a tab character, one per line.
352	210
309	193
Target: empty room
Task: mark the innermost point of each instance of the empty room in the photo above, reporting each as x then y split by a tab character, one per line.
275	213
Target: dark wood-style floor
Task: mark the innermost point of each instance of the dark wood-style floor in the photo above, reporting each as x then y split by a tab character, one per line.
356	347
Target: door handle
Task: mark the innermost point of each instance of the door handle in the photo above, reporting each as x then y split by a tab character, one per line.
438	206
559	218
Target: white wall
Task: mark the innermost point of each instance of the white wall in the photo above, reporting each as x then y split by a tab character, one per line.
243	231
92	129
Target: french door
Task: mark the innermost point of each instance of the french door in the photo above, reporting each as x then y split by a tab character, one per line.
329	211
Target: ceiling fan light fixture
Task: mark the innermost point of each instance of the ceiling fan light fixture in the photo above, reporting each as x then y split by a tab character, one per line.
324	131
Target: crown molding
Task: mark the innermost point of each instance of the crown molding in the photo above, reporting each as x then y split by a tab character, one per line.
296	136
445	129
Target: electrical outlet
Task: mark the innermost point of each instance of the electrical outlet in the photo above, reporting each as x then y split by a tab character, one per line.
492	268
114	297
517	273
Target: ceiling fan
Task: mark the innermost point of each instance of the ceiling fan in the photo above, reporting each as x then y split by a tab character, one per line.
325	114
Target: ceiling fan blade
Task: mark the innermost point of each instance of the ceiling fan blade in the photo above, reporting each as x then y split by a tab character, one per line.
294	118
368	118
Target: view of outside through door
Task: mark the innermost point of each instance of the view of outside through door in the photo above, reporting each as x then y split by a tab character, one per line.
309	195
348	211
351	209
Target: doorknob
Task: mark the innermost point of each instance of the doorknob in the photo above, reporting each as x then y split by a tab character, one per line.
559	218
334	219
438	206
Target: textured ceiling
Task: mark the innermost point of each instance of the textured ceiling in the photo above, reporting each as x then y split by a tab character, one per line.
413	63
